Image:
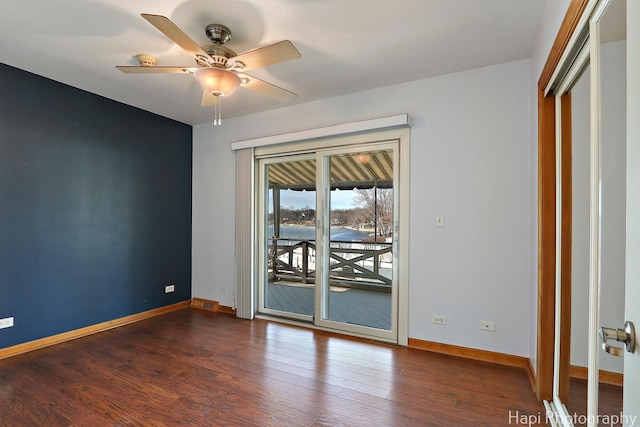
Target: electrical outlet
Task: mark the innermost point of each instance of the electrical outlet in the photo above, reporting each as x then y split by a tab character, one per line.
7	322
223	289
438	319
169	288
487	325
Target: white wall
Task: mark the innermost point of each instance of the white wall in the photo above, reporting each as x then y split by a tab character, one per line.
213	235
470	159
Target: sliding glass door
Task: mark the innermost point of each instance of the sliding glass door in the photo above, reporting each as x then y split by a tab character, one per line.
357	289
328	230
288	236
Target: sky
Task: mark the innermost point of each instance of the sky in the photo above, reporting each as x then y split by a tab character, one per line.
340	199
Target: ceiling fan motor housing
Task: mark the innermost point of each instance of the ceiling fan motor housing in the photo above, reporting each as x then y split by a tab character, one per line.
218	55
218	34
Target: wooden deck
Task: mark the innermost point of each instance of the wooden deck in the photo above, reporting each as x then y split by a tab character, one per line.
360	274
346	305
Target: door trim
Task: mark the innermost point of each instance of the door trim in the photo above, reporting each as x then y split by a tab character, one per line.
547	220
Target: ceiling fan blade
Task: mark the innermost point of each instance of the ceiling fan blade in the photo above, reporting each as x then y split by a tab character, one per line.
135	69
267	55
267	89
172	31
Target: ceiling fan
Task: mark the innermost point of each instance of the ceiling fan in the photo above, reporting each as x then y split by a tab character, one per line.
218	69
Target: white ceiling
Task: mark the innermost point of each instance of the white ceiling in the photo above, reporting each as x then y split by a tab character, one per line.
346	45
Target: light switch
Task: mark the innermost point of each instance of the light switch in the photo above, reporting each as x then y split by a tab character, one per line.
440	220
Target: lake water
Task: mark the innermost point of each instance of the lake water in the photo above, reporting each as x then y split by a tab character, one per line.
309	233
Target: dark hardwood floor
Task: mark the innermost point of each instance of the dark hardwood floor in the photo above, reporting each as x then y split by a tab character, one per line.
192	367
609	403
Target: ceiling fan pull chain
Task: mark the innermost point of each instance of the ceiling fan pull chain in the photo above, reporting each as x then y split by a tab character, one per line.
217	111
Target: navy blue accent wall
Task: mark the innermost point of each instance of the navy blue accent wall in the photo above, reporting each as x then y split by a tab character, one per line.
95	208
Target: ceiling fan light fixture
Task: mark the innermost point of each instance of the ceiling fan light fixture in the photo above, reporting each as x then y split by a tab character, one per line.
218	82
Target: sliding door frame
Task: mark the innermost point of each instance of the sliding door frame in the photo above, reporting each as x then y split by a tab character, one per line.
402	136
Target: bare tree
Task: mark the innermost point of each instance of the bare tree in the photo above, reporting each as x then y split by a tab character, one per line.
377	204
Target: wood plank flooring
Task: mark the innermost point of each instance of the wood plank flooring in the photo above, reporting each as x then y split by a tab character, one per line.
609	403
192	367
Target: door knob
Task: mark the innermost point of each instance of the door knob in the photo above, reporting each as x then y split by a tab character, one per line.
626	336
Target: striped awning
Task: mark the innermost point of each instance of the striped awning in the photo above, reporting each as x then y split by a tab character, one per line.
348	171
